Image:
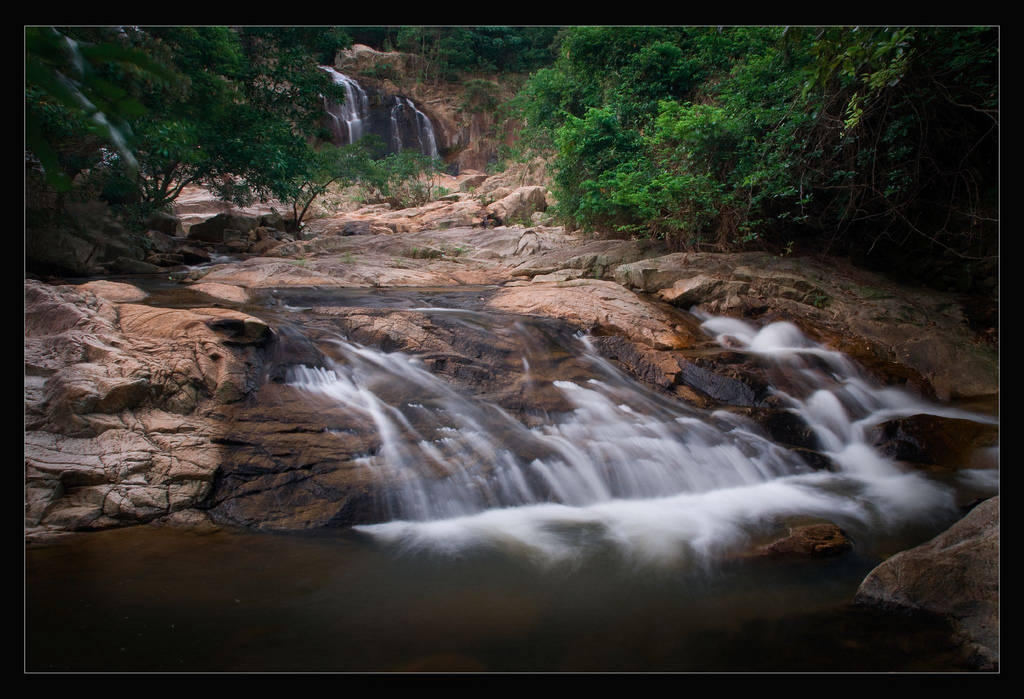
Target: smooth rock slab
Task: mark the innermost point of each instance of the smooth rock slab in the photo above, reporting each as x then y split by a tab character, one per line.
596	305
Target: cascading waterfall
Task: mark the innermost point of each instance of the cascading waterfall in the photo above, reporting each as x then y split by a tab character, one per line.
355	118
624	466
425	139
347	118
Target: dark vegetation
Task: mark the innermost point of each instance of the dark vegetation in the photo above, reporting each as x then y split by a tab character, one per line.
880	143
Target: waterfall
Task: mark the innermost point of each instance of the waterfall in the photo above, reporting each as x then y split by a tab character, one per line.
404	125
404	111
348	117
623	465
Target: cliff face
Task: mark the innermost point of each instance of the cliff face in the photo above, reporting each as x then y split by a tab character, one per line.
468	128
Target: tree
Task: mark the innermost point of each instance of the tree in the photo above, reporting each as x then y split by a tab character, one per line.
853	139
319	169
226	108
68	92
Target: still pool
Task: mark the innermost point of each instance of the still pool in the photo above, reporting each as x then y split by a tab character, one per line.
161	599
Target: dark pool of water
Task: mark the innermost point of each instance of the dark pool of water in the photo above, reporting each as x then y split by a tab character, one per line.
152	599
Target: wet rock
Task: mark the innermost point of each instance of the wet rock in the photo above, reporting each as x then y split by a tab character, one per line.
785	427
290	463
721	388
596	305
934	440
955	576
652	366
812	540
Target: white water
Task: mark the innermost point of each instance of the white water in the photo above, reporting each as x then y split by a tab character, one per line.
624	468
425	139
348	118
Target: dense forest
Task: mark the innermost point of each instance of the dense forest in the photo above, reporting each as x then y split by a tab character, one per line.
879	143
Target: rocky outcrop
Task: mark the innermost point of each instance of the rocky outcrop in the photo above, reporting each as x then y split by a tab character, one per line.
518	206
954	576
468	130
113	395
905	335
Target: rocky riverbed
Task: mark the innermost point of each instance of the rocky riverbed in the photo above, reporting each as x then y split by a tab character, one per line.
167	398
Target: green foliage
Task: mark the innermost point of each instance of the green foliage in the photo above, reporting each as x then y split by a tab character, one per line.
312	172
480	96
69	89
727	136
400	179
232	109
452	52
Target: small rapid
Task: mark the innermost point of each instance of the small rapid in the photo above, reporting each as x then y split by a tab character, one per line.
625	468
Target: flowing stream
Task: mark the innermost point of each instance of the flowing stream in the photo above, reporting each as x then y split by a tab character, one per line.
591	524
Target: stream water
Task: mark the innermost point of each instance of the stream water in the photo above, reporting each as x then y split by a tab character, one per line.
575	520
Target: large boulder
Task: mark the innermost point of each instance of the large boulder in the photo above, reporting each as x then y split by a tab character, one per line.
165	223
955	576
223	227
518	206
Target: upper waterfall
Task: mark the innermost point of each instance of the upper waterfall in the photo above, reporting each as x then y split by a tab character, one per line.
395	119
